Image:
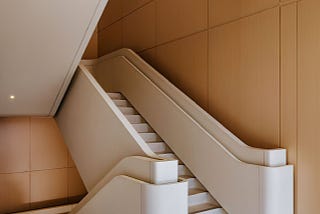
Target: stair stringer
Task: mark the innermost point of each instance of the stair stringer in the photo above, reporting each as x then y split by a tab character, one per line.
85	103
96	133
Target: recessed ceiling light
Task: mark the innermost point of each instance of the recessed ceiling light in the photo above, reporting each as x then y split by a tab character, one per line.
12	97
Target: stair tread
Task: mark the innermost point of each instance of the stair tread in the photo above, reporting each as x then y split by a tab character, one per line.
169	156
126	107
115	95
150	137
159	147
142	127
195	191
202	207
133	119
122	103
187	177
128	111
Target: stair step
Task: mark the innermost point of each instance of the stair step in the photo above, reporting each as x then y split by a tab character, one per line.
196	191
193	183
199	200
135	119
128	111
122	103
150	137
206	208
142	127
199	196
183	170
159	147
115	96
170	156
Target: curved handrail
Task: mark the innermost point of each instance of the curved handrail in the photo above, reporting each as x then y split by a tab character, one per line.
245	153
143	168
124	194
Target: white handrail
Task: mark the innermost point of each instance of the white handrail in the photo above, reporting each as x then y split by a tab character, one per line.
239	187
124	194
245	153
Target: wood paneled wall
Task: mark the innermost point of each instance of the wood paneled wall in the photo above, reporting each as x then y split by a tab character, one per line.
91	51
252	64
36	169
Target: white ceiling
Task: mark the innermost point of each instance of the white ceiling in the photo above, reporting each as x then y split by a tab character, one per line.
41	44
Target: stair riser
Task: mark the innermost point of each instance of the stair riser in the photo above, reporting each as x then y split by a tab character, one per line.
182	170
193	183
199	198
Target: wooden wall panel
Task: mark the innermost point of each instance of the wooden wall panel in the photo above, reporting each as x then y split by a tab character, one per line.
149	56
110	39
229	10
91	51
14	192
14	145
112	13
48	150
76	188
253	85
308	106
34	173
180	18
288	106
184	63
139	31
130	5
289	80
244	78
49	188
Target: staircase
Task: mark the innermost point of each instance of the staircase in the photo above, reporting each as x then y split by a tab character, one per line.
246	180
199	199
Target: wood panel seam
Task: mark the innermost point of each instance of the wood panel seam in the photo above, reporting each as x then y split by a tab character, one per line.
280	78
126	15
297	108
29	206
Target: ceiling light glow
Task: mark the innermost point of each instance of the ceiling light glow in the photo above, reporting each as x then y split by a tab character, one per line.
12	97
